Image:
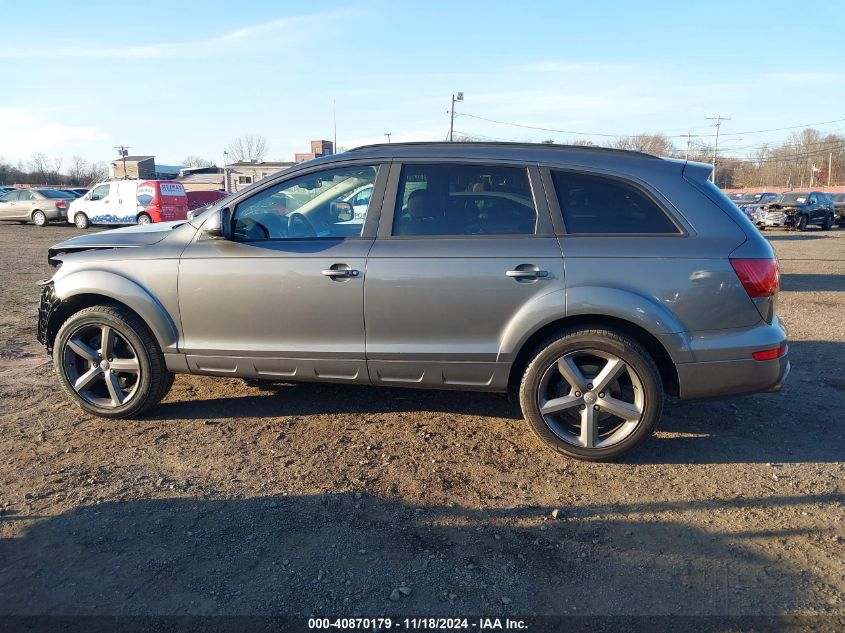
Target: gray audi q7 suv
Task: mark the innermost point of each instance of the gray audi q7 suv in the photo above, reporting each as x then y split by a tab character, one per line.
586	282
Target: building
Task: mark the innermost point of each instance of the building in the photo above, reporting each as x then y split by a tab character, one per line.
318	148
242	174
201	178
141	167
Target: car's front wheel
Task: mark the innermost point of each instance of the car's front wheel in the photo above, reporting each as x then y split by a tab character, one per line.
592	394
144	219
109	362
802	223
828	223
81	221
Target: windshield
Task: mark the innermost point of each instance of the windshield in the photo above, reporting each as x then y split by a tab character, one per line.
791	198
744	197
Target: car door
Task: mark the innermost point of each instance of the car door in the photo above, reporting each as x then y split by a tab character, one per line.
464	258
96	207
283	296
7	205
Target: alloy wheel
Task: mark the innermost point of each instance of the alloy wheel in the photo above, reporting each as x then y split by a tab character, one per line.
591	398
101	366
39	219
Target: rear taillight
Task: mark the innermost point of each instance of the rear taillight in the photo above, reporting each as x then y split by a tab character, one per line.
770	354
61	204
759	277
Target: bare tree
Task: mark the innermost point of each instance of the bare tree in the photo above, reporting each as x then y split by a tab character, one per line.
39	167
97	172
196	161
657	144
78	170
56	174
248	148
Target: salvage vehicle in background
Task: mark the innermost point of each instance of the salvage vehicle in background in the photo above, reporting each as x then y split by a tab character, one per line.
587	282
838	200
130	202
37	205
797	210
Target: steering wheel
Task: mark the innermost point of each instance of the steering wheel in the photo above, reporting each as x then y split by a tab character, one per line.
294	218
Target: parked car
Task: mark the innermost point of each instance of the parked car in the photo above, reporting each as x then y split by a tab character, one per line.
198	199
587	282
6	190
751	203
838	200
79	190
73	193
797	210
130	202
39	206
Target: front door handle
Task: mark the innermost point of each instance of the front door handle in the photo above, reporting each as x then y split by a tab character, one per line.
527	274
340	272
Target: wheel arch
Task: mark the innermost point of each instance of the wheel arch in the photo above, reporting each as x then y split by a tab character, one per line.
83	290
653	345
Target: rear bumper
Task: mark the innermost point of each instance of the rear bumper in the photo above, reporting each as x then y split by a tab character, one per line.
732	377
724	365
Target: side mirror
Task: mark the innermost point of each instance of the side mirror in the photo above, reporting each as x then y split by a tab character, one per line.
341	211
217	225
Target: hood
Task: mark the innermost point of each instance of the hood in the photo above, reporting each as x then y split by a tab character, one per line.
126	237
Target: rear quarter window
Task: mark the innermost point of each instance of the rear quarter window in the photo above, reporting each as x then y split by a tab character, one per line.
594	204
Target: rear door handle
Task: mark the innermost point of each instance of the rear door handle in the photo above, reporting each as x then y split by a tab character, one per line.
340	272
527	274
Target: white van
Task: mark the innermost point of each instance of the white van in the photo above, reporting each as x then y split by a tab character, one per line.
128	202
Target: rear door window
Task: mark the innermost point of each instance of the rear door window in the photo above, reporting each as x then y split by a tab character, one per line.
596	204
457	199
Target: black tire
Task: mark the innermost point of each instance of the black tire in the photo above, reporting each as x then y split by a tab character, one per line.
81	221
144	218
609	341
39	218
828	223
153	381
802	223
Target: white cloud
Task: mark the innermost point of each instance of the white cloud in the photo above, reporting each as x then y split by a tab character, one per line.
24	132
286	31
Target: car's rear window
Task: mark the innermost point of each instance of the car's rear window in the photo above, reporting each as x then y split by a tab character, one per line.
55	193
598	204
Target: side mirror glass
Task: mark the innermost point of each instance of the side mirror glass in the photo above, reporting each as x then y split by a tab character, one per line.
341	211
215	227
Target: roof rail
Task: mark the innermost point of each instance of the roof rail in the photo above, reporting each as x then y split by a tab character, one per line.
544	146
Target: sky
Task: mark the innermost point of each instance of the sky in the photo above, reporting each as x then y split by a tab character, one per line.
173	79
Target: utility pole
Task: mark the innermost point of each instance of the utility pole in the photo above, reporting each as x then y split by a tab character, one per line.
457	97
718	123
123	152
225	171
387	134
689	137
829	167
334	125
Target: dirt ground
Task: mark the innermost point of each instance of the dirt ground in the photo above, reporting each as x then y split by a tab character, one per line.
323	499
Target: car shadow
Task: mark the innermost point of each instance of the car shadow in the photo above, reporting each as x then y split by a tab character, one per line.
806	283
345	554
797	424
788	234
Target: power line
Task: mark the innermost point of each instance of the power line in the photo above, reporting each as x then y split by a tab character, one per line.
605	134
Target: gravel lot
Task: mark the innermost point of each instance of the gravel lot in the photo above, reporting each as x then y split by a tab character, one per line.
333	500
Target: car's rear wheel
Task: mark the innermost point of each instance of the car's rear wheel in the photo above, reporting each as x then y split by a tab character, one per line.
144	219
592	394
109	362
828	223
802	223
39	218
81	221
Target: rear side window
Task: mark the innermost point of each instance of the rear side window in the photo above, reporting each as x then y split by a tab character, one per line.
597	204
454	199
